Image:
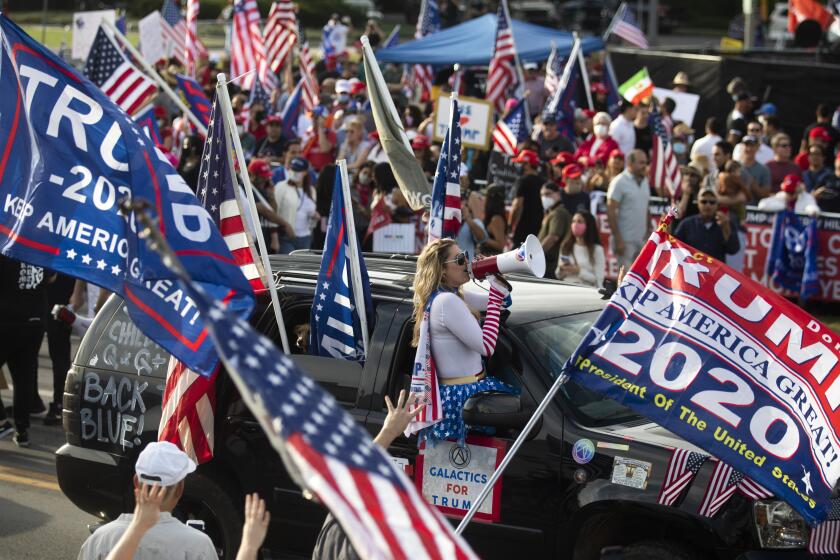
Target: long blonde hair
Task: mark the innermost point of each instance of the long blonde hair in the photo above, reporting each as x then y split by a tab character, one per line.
427	279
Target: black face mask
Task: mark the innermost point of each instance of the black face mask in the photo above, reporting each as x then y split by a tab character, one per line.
259	115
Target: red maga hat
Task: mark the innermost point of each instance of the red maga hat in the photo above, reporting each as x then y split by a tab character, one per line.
260	168
790	183
527	156
572	171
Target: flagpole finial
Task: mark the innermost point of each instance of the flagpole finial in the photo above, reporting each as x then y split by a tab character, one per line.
365	41
221	78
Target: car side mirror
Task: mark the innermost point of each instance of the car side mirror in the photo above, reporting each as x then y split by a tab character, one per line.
497	410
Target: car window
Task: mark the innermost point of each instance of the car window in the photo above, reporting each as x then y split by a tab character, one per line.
552	341
123	348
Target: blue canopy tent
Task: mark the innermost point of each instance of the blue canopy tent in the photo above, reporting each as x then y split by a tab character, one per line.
471	44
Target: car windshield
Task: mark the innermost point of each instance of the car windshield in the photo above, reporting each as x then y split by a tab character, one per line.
552	341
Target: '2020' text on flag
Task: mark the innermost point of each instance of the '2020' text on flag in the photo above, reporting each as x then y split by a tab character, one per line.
69	156
682	330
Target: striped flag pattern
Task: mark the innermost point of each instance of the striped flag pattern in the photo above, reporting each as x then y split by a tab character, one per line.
724	483
624	25
664	168
553	71
216	193
445	215
501	75
428	22
174	29
326	451
310	91
280	34
682	468
191	37
825	537
511	130
187	412
247	51
108	68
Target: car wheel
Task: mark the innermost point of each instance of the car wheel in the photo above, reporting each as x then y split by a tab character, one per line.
212	502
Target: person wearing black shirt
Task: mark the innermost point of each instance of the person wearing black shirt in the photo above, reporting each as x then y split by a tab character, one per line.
828	195
572	196
710	231
526	212
23	314
273	145
644	135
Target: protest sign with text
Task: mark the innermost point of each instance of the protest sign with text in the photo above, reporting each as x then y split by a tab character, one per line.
476	121
726	364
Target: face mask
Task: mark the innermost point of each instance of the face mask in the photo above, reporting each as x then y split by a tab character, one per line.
364	178
409	121
547	202
296	176
601	130
679	148
240	129
578	229
343	98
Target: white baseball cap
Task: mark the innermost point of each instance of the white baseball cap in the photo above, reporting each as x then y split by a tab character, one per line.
163	463
342	86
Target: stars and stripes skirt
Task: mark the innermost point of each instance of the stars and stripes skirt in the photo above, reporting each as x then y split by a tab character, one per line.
452	398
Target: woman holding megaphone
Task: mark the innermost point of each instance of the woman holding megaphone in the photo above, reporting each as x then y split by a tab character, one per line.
449	339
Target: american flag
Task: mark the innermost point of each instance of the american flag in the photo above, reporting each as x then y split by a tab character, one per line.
280	34
393	39
174	29
187	414
624	25
247	51
682	468
108	68
428	22
825	537
553	71
261	96
191	38
511	130
665	173
501	75
445	217
326	451
309	94
723	484
335	325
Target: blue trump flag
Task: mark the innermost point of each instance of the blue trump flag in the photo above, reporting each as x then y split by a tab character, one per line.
194	98
291	112
563	103
792	259
147	121
69	156
335	326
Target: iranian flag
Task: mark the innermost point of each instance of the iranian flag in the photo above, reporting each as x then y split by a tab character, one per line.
637	87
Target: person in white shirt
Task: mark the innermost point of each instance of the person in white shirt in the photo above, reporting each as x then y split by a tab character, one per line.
703	146
763	154
622	129
295	199
162	463
446	320
793	196
582	258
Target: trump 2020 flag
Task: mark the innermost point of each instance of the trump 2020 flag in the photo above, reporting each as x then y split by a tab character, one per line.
792	261
69	156
725	363
563	103
327	452
193	95
335	326
148	123
445	216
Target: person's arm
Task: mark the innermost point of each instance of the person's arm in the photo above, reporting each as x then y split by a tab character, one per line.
733	244
600	266
398	418
734	200
148	499
77	299
456	317
496	234
324	142
255	527
272	216
516	211
612	218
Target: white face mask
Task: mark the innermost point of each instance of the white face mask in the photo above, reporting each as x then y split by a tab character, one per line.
601	130
547	202
364	178
296	176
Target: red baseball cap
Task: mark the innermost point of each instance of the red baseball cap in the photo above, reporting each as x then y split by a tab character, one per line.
572	171
589	113
420	142
260	168
274	119
563	158
819	133
790	183
599	87
356	86
617	153
527	156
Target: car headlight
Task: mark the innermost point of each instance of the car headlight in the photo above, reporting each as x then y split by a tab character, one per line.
778	525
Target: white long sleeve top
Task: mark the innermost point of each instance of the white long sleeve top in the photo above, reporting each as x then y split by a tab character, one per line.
591	273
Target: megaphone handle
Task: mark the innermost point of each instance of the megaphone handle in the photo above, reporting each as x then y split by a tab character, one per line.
503	281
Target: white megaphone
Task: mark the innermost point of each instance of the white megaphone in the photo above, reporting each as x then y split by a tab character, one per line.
528	258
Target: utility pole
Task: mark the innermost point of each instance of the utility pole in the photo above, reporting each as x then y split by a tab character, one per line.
653	22
749	24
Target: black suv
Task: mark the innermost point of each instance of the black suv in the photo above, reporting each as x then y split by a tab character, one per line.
558	498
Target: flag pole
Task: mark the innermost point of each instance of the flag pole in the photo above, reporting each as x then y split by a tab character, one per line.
519	73
228	117
520	439
583	71
155	76
608	32
353	241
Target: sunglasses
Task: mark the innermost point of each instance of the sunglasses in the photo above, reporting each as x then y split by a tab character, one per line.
711	202
783	145
460	259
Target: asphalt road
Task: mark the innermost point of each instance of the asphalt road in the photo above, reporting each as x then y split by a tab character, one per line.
36	521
